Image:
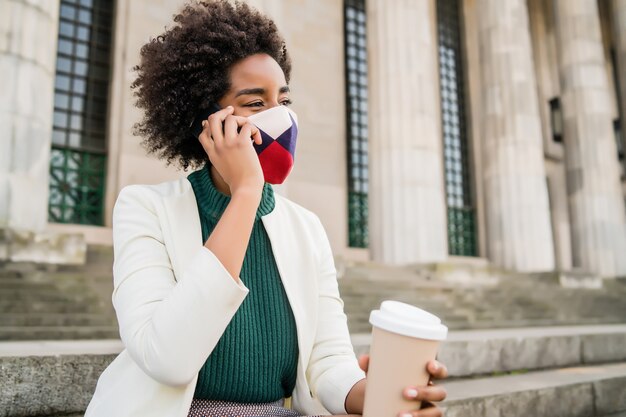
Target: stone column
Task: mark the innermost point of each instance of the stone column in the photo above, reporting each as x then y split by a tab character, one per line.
519	233
28	44
407	197
596	202
28	34
618	8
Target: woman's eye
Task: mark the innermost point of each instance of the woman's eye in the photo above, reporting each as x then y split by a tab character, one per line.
287	102
255	104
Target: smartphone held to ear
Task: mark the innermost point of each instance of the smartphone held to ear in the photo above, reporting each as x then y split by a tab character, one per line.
196	126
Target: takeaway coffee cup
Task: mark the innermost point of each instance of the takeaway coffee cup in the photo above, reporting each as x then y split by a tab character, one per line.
404	339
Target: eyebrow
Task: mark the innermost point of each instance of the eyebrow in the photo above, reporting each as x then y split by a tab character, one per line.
259	91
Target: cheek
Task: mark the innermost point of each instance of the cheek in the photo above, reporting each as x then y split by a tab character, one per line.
243	111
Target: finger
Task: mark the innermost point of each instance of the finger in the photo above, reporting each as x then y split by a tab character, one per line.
364	361
437	369
246	131
256	135
430	393
205	137
230	127
216	123
427	412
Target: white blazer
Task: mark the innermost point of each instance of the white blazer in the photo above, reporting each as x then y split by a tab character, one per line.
174	298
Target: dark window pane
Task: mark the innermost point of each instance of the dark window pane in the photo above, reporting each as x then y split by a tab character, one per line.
76	122
82	50
66	29
61	101
80	68
78	104
58	137
60	119
65	47
62	82
64	64
83	33
68	12
84	16
79	86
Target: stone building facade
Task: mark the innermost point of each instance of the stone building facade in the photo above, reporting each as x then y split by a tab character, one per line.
430	130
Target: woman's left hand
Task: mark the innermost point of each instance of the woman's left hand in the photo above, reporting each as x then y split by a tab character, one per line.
426	394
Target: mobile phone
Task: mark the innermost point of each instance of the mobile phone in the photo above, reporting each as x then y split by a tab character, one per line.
195	128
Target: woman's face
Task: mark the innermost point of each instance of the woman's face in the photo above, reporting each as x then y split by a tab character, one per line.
257	84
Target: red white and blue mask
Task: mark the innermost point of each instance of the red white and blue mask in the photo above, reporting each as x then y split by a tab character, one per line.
279	130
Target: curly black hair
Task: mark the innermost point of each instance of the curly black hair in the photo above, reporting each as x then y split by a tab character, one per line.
188	67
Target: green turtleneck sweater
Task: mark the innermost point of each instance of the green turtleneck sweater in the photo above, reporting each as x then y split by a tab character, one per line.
256	358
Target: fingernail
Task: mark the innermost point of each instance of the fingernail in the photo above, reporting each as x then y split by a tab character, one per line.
230	107
203	123
435	366
411	392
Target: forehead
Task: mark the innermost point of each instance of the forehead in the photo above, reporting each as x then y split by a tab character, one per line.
255	71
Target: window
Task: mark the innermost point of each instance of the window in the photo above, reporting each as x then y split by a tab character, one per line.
556	120
356	117
619	138
618	123
462	239
78	155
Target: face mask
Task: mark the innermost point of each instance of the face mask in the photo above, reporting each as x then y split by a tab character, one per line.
279	130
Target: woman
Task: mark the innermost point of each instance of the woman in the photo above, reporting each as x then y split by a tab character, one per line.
226	293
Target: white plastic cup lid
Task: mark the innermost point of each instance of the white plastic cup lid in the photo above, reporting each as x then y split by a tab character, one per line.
408	320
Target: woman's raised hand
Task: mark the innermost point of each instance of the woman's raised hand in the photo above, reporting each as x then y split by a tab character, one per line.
226	139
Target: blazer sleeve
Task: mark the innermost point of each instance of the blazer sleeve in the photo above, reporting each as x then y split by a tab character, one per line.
168	324
333	368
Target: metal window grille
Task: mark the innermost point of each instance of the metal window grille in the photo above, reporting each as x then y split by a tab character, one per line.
356	117
78	156
462	235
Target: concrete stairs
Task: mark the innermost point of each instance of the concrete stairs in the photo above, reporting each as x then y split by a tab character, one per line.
39	302
58	302
566	371
489	299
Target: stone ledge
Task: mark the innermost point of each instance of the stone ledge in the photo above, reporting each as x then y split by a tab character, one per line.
46	247
48	385
504	350
63	385
569	392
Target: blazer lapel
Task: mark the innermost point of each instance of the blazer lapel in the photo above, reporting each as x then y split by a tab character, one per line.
289	247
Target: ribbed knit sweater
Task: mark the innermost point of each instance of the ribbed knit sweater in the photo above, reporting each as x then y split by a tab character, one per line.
256	358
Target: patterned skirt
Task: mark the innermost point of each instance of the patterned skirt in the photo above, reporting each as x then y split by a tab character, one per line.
212	408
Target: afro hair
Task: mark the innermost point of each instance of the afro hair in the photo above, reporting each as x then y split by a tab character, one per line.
187	68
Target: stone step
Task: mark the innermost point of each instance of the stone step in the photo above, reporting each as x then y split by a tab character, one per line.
57	332
58	306
507	301
585	391
54	319
485	352
57	378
